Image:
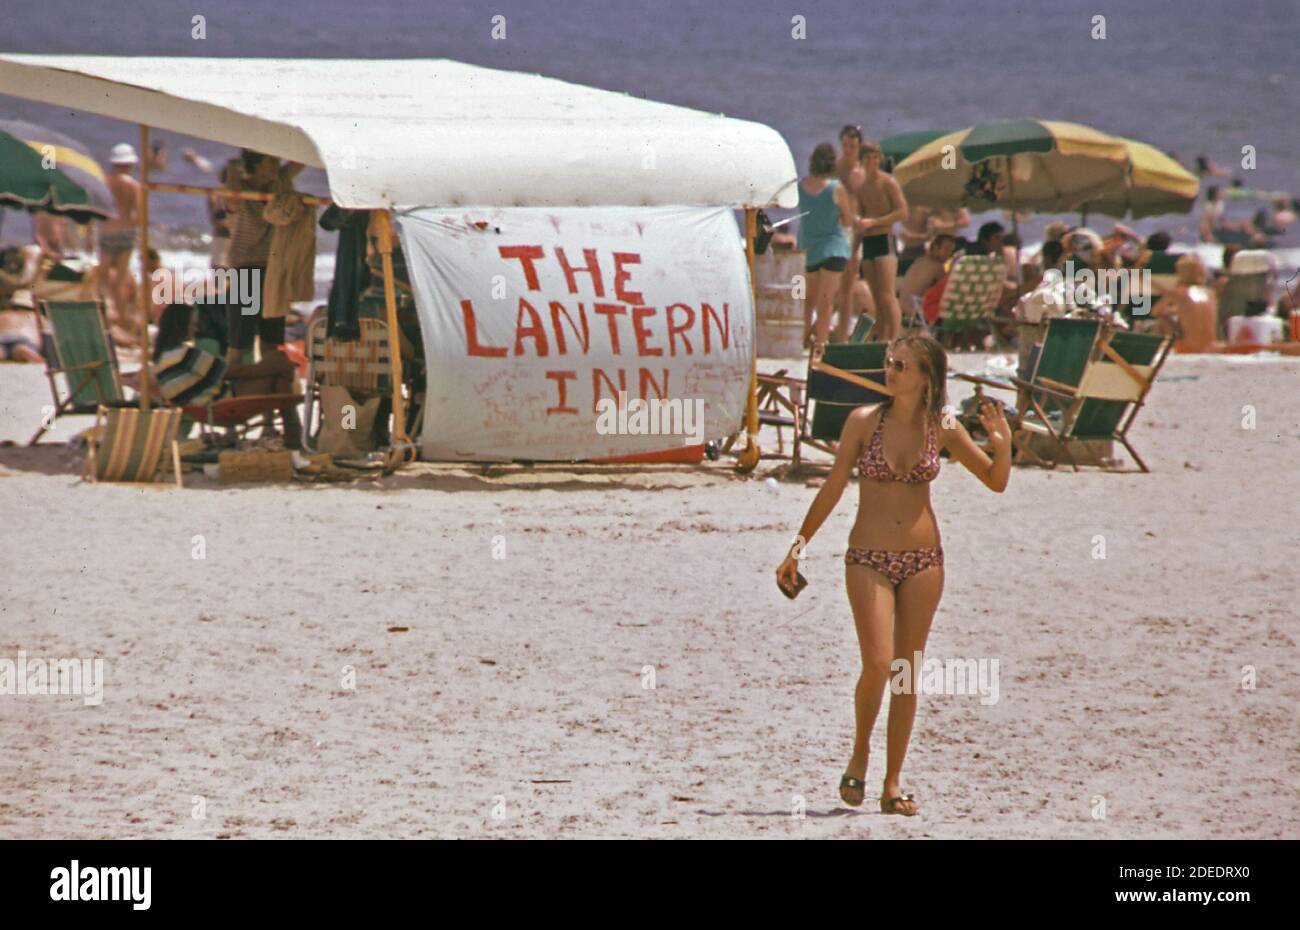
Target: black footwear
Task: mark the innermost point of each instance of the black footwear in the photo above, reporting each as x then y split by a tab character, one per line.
894	805
853	784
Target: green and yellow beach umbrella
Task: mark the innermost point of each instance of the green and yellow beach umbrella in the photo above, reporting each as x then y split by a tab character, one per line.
899	146
1156	185
1038	165
45	171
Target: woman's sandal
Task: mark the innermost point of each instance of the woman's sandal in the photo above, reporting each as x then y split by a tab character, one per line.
894	805
853	784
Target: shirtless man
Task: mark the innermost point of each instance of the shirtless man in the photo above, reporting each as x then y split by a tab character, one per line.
117	243
880	204
1192	306
915	233
850	175
925	271
948	222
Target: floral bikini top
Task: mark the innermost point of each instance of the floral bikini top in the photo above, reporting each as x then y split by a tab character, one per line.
872	464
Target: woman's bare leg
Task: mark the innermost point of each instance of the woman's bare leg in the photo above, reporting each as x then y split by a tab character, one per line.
826	290
916	600
811	280
881	275
844	291
872	598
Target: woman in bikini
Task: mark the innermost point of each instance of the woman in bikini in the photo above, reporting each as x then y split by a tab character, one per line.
894	566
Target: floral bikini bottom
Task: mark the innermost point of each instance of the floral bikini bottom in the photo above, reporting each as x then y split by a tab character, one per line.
896	564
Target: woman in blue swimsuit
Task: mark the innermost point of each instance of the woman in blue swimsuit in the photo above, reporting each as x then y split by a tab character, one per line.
824	238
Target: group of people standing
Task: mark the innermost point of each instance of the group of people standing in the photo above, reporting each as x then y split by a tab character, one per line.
849	204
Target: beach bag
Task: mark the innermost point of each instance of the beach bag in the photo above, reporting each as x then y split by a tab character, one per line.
340	442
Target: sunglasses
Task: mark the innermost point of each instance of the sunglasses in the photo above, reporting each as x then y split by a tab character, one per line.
895	363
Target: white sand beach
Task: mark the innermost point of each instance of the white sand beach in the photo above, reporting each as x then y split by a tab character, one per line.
515	703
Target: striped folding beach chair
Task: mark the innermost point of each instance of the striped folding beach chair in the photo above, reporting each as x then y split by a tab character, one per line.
361	365
80	353
970	298
133	445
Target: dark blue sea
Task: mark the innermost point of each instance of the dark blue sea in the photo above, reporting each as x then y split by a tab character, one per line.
1195	77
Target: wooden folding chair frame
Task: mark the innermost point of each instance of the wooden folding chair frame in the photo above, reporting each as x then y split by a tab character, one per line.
804	435
86	372
1074	399
1143	382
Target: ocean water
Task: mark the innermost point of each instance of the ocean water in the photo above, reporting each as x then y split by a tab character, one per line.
1193	77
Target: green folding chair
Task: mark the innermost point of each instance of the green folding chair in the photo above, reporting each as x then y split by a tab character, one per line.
833	396
79	350
1052	387
1113	389
782	399
133	445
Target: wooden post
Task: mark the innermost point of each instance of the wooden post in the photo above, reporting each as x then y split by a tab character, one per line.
399	437
748	458
144	267
168	188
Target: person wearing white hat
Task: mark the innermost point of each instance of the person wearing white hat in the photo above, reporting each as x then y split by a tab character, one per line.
117	242
123	154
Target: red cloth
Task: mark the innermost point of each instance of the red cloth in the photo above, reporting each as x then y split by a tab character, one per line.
932	299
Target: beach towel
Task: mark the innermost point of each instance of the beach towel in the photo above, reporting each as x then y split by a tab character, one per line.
189	376
933	300
291	261
351	273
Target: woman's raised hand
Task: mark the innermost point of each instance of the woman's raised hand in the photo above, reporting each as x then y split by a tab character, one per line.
994	421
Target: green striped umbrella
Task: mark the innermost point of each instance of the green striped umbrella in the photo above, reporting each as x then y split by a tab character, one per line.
1048	167
905	143
45	171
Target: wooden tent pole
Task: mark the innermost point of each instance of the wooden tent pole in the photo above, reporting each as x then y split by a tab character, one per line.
144	267
168	188
399	436
749	457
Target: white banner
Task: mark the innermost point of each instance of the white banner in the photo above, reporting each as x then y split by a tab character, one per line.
580	334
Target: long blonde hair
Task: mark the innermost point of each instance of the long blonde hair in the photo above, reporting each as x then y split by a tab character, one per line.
933	360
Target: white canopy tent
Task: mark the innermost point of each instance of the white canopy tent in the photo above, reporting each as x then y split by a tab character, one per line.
398	133
431	132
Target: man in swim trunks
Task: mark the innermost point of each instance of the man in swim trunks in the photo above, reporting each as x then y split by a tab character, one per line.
849	172
117	241
880	204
